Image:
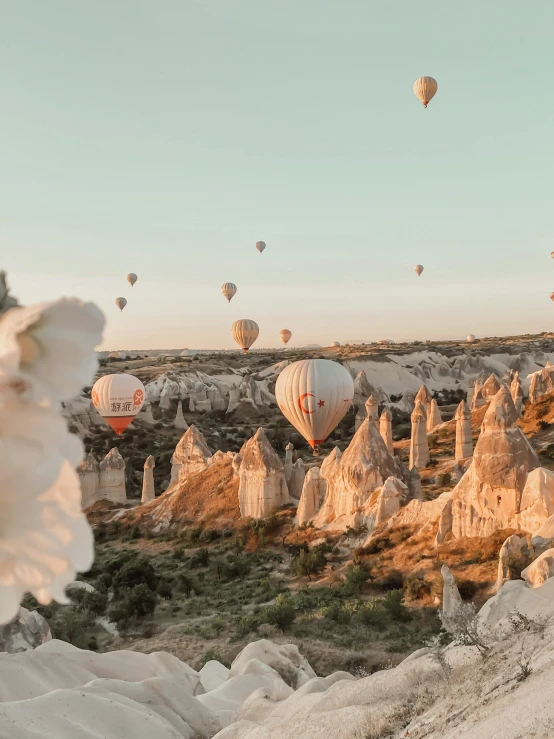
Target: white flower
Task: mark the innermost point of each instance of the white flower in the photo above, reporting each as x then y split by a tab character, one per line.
43	542
50	347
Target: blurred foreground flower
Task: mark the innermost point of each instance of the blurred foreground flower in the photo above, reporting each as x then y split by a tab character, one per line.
46	355
50	347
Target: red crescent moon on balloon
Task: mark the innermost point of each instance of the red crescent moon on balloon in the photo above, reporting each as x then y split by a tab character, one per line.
301	404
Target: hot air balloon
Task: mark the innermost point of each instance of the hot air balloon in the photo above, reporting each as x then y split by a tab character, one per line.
425	89
229	289
131	278
285	335
121	303
335	343
245	332
314	395
552	254
118	399
418	269
551	296
470	338
260	246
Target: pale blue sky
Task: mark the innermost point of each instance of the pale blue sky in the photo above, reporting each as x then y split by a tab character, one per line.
167	137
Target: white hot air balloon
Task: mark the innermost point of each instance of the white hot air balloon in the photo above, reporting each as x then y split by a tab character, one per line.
121	303
284	335
118	399
314	395
552	254
260	246
245	332
335	343
131	278
425	89
551	296
229	289
418	269
470	338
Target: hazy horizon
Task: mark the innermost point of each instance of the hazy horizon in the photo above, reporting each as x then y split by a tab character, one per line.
168	140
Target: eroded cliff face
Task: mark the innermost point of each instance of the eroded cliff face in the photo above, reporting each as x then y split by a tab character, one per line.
263	487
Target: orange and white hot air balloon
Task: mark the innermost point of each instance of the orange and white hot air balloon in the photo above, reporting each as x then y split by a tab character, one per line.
418	269
245	332
131	278
121	303
314	395
551	296
260	246
118	399
284	335
425	89
229	289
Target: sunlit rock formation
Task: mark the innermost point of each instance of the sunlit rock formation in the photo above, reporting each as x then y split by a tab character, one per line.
190	456
419	447
112	478
385	429
148	489
180	422
262	487
513	558
434	417
451	600
89	475
312	496
464	443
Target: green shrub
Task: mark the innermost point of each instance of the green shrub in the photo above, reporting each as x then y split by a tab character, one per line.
394	606
135	572
188	584
83	600
355	579
132	604
309	563
417	588
282	614
200	558
371	614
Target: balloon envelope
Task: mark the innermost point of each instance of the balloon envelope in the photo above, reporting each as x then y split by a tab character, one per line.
131	278
229	289
470	338
418	269
285	335
245	332
552	254
121	303
260	246
551	296
425	89
314	395
118	399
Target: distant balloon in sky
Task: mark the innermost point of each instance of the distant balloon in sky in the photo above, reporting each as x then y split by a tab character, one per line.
418	269
335	343
551	296
552	254
284	335
118	399
131	278
314	395
121	303
470	338
245	332
228	289
260	246
425	89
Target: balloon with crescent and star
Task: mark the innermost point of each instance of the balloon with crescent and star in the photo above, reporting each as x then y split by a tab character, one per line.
314	395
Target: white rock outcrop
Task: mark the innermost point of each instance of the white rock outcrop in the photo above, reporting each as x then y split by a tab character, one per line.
262	487
490	388
434	417
180	422
27	631
425	398
313	493
541	570
112	478
353	477
148	488
289	462
191	455
514	555
385	429
451	599
89	475
495	492
464	442
419	446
